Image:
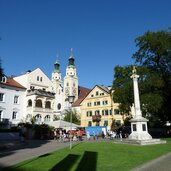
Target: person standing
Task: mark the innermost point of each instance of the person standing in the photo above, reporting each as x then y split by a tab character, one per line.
88	135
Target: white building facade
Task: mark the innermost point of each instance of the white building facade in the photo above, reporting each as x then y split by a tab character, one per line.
46	99
12	102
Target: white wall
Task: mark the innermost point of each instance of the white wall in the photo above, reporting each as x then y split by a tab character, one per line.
31	79
7	107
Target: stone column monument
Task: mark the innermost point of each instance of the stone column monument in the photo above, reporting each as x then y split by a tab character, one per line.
139	131
138	123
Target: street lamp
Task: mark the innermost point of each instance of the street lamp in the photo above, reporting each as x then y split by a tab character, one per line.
71	100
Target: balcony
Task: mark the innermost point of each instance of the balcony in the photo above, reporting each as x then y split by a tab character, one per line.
40	93
42	110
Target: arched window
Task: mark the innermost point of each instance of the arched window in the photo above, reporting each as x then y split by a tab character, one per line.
48	105
28	117
38	119
47	118
59	106
38	103
29	103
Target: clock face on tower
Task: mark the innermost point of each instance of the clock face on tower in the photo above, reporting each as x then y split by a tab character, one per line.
67	92
74	91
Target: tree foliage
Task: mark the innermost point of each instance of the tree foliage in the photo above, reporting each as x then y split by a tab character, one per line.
155	53
1	70
123	88
75	117
153	60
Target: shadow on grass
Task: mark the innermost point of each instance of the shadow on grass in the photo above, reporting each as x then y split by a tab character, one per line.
88	161
66	163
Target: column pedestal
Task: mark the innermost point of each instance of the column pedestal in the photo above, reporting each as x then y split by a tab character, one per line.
139	130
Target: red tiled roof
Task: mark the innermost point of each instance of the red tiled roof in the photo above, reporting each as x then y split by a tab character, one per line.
12	83
82	93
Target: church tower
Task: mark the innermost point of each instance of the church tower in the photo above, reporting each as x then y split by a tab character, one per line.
71	79
56	76
58	89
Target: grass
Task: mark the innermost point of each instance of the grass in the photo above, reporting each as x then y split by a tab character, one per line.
96	156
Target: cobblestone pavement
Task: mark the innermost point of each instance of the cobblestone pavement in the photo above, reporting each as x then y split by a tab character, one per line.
18	152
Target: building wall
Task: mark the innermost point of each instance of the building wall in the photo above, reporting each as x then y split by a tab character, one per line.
36	79
99	102
7	107
42	114
33	81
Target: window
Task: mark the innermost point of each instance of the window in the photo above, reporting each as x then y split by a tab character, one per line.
37	78
105	123
16	99
1	115
97	124
97	103
89	123
48	105
31	87
144	127
38	103
2	97
97	112
134	127
116	111
92	95
41	79
28	117
59	106
67	84
3	79
97	93
89	113
105	102
29	103
14	115
105	112
89	104
47	118
38	119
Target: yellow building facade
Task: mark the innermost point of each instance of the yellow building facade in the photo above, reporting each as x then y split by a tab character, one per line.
98	108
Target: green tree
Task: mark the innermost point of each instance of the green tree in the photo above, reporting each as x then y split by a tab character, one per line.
1	70
75	117
153	60
123	89
154	53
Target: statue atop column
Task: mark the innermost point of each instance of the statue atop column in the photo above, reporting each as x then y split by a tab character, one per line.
138	123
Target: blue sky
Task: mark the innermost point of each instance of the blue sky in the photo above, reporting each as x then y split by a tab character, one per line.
101	33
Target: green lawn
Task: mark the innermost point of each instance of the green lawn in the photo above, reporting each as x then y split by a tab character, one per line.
95	156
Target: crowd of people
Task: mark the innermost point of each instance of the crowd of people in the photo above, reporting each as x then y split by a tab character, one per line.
78	135
62	135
